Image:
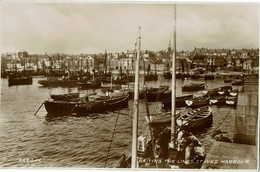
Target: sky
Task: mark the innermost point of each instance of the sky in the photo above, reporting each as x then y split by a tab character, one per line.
83	27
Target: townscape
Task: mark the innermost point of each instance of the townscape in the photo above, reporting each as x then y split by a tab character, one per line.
166	109
245	60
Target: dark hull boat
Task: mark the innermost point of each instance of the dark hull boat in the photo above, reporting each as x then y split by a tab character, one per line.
231	101
195	76
223	101
238	82
218	91
20	81
154	94
58	97
198	102
182	75
151	77
85	107
89	85
194	87
209	77
179	101
197	119
227	80
167	75
61	83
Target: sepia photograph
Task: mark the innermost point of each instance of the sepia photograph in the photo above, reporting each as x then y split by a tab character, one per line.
137	85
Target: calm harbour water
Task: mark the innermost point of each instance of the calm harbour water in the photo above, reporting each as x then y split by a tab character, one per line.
78	142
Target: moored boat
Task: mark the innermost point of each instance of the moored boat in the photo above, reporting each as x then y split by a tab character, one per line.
237	82
197	101
231	101
89	85
58	97
209	77
195	76
218	91
151	77
179	101
227	80
197	119
86	105
194	87
167	75
223	100
20	81
58	82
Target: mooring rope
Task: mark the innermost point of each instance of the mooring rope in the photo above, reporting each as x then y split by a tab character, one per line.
221	122
39	108
111	139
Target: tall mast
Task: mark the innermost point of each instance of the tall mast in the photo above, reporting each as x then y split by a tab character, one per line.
136	106
173	115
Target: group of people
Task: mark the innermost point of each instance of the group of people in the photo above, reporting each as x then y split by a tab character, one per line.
188	147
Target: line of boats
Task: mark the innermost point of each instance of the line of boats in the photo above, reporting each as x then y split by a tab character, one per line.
123	79
65	104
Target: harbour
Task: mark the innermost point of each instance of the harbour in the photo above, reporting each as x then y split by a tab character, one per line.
102	92
41	129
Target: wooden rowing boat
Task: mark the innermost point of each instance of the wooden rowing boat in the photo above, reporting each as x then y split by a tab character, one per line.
197	119
197	101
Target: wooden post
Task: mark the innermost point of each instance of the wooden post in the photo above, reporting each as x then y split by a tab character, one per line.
136	107
173	115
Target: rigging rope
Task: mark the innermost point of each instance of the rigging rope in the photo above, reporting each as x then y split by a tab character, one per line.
111	139
149	122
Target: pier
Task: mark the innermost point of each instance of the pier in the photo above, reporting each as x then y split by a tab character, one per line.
242	153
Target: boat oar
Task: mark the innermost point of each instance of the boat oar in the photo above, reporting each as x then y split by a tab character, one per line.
39	108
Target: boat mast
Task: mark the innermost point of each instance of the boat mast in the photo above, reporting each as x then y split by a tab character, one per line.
173	115
136	106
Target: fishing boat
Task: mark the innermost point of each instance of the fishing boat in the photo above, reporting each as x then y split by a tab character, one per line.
182	75
86	105
151	77
20	81
231	101
58	97
217	91
233	93
237	82
179	101
59	82
195	76
223	100
194	87
167	74
89	85
227	80
197	119
197	101
156	94
209	77
153	94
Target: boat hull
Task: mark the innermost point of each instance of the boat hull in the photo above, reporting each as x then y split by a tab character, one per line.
202	118
58	97
60	108
90	85
194	87
20	81
61	83
179	102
